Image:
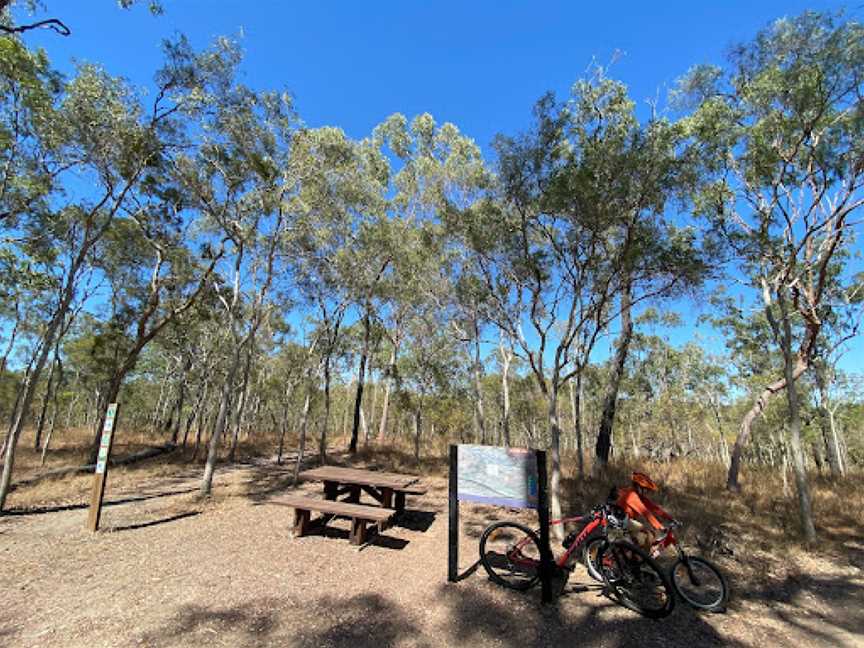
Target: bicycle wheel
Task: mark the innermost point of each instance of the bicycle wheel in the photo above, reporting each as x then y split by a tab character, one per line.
510	553
699	583
590	552
636	580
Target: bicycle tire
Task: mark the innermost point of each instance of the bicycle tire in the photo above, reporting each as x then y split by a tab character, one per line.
627	570
497	544
590	552
712	582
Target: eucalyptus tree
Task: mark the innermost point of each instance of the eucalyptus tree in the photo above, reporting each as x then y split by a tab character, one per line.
782	133
338	205
30	139
429	365
841	322
94	127
636	173
439	170
578	220
363	268
240	182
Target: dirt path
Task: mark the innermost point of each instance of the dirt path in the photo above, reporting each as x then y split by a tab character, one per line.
169	571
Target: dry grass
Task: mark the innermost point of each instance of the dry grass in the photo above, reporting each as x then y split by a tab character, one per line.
694	491
759	522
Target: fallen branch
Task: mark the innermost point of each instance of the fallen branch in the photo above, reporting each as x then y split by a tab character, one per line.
148	453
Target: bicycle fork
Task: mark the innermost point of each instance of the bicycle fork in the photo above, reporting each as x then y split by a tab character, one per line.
684	558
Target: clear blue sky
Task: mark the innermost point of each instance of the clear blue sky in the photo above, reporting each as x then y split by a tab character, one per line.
479	64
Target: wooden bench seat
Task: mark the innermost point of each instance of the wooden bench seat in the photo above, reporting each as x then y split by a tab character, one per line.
360	515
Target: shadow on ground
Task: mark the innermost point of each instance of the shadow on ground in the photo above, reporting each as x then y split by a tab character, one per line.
114	502
464	614
249	625
150	523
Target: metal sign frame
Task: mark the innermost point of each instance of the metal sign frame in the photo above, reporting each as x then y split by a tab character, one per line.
546	559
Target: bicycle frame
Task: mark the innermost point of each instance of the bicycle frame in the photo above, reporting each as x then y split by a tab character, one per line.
599	520
668	540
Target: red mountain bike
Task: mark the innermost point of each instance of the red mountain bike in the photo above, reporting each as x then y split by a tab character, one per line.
696	580
510	554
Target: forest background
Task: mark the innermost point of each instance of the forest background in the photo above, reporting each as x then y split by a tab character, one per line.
241	281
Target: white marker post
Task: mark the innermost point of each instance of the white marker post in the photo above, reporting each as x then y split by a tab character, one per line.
102	468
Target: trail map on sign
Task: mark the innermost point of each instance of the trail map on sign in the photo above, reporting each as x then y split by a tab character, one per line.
499	476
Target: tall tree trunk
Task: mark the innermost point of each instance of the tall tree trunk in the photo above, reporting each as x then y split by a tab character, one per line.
610	401
178	416
391	377
325	420
506	357
301	444
181	398
241	402
373	406
361	380
555	452
55	407
40	424
826	424
27	393
283	429
196	409
744	430
805	506
221	421
576	410
417	429
477	374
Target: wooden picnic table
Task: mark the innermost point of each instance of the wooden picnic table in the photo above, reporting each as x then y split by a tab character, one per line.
389	489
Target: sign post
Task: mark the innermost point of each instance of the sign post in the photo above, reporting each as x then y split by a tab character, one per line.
453	526
101	472
512	477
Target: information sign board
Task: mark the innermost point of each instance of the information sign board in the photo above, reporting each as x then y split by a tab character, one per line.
498	476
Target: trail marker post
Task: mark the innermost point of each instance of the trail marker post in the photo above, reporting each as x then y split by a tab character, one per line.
101	472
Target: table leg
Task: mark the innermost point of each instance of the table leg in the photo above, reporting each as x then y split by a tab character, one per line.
330	489
387	497
358	531
400	502
354	495
301	522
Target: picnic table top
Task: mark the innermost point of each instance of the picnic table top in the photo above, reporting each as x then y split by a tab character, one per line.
360	477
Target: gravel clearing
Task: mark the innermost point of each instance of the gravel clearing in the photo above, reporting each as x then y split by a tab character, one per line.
167	570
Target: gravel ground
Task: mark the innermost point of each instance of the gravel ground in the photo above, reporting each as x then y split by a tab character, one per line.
167	570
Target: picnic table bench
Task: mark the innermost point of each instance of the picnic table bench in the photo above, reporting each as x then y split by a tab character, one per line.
360	515
387	489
